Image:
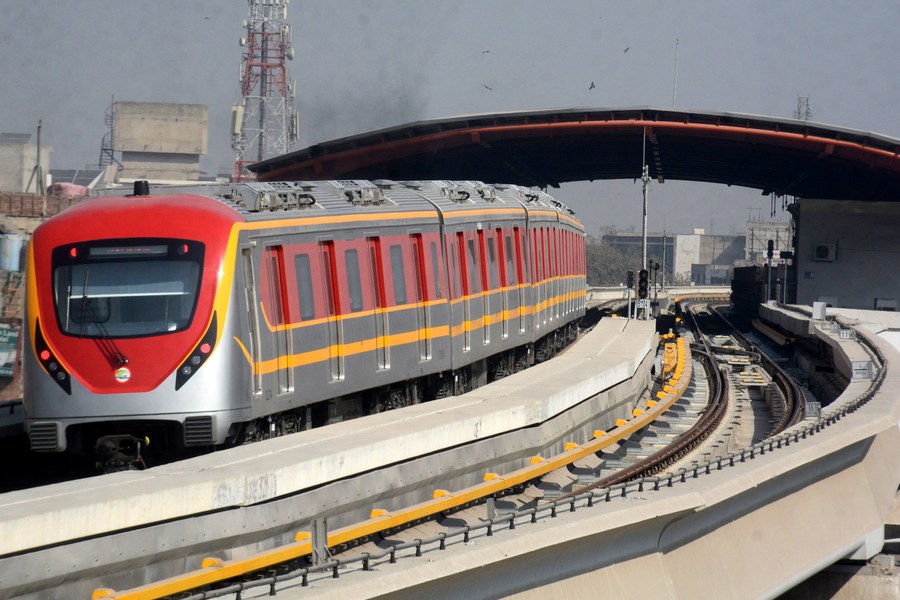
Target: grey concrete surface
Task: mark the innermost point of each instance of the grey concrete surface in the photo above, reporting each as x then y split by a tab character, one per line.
754	530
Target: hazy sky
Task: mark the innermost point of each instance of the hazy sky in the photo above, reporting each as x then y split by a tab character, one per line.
368	64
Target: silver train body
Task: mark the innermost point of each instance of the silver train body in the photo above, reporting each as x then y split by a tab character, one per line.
215	315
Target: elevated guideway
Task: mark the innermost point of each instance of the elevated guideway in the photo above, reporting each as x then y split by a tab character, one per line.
752	525
97	532
597	296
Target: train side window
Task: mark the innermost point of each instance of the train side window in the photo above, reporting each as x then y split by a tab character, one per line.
470	267
354	285
436	270
521	273
465	277
492	261
556	265
508	256
275	277
398	274
418	263
545	252
305	286
330	281
454	272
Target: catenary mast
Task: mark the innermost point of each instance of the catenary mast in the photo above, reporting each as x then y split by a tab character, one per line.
265	123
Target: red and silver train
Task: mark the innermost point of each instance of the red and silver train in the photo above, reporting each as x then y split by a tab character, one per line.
241	311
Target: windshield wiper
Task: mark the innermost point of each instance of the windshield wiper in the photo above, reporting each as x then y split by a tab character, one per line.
104	340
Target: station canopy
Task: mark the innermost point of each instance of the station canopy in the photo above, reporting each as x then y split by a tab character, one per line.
547	148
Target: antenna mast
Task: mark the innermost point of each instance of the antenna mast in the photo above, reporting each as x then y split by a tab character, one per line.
264	124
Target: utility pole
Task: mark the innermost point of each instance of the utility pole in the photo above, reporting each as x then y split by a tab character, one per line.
645	178
264	124
37	174
675	81
662	286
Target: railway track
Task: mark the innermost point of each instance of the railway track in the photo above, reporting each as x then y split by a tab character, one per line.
672	420
638	453
454	519
791	408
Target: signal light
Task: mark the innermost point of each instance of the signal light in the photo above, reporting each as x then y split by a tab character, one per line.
49	362
629	279
770	249
643	284
198	356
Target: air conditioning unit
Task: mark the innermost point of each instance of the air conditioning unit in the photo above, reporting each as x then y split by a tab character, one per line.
886	304
825	252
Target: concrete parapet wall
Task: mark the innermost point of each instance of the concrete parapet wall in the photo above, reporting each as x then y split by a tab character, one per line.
256	487
751	530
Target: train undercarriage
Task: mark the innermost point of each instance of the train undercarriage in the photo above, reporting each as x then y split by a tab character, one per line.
125	445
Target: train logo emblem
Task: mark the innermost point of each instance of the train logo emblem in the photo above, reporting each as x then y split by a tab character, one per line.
122	374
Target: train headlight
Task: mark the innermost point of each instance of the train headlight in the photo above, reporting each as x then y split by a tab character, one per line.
197	356
49	361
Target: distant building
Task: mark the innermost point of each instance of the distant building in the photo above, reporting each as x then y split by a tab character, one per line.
698	258
846	253
160	142
18	159
758	235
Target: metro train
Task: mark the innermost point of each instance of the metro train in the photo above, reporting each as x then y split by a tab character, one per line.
219	314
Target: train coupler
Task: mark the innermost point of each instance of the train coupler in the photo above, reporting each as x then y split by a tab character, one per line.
119	453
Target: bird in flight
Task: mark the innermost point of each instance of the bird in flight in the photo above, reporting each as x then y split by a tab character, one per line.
592	86
487	88
628	48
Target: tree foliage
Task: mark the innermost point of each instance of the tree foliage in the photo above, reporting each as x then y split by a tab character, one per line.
607	266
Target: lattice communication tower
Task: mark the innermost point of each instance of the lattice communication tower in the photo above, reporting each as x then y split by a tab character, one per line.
803	112
265	123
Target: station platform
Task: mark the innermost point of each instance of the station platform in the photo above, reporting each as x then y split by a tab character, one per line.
258	473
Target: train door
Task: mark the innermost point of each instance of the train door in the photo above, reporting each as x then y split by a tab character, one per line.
332	310
520	276
557	274
547	249
465	268
423	322
564	263
277	310
537	279
376	267
252	321
505	262
485	289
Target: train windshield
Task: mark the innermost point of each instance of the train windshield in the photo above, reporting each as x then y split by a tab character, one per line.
126	288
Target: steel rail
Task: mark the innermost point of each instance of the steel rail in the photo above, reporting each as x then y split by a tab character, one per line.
588	499
794	400
217	572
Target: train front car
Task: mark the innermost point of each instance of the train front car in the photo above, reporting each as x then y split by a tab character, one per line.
126	310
